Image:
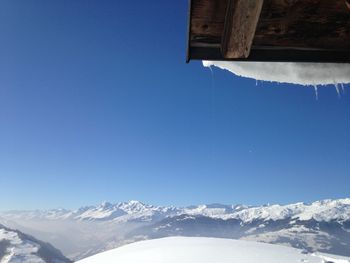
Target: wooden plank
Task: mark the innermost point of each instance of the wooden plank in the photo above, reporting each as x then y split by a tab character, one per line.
312	24
275	55
242	17
207	20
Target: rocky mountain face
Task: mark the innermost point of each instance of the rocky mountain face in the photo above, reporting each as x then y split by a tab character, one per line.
18	247
320	226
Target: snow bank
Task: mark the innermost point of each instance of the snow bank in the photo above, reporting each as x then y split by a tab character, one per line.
205	250
295	73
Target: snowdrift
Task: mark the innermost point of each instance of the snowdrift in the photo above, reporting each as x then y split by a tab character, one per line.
206	250
313	74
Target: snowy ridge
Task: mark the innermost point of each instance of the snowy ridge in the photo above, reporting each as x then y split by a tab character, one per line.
125	211
325	210
18	247
215	210
207	250
122	211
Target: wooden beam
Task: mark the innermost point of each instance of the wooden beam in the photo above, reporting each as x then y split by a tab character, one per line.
207	20
276	55
241	20
311	24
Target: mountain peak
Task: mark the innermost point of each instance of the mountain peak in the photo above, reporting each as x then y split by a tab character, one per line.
105	204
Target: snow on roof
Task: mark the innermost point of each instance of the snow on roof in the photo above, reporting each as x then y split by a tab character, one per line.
287	72
206	250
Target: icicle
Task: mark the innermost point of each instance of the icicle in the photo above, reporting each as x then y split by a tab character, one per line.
316	91
342	87
337	89
212	83
212	77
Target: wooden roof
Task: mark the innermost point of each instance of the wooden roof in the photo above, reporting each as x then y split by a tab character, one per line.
269	30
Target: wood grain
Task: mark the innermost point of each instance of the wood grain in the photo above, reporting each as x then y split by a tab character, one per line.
207	20
312	24
309	24
241	20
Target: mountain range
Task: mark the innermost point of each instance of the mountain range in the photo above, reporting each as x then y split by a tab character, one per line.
319	226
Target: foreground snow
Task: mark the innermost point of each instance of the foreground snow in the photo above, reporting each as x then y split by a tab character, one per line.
295	73
207	250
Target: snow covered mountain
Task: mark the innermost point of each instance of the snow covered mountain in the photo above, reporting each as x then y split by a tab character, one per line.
318	226
208	250
18	247
121	212
325	210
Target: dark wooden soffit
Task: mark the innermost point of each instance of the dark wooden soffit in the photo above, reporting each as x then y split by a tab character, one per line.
269	30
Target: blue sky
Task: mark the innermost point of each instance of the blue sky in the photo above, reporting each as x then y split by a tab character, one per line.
97	103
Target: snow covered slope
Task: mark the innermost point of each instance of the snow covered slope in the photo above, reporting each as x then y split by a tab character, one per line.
207	250
18	247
